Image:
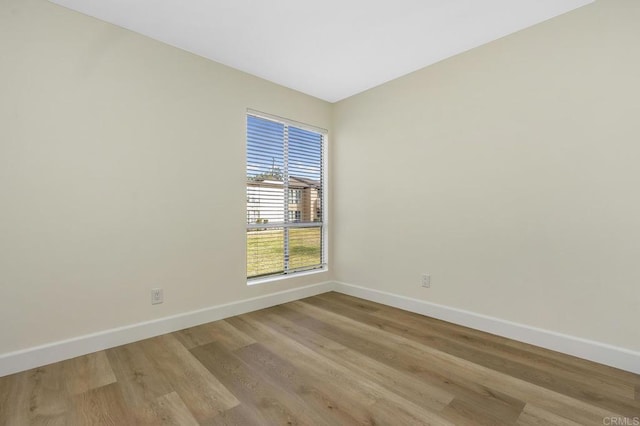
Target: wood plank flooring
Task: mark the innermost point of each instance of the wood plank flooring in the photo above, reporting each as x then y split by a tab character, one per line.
326	360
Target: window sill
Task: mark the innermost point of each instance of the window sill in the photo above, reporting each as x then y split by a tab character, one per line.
265	280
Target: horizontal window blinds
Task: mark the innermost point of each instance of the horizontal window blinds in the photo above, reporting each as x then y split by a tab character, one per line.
285	197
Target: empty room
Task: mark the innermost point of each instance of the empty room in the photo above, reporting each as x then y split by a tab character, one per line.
319	213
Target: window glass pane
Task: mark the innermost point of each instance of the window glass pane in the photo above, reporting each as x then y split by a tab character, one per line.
305	153
265	158
265	252
305	247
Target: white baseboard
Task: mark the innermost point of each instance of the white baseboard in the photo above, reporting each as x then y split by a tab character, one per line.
26	359
602	353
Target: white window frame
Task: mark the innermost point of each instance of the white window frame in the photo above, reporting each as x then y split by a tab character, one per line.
324	267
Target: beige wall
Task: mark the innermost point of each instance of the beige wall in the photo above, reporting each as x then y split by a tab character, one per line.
510	173
121	169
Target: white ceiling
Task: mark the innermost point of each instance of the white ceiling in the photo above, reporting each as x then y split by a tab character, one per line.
330	49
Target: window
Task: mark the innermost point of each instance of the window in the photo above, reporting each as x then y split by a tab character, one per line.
285	197
294	196
295	215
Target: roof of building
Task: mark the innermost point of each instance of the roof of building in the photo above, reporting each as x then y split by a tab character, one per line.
294	182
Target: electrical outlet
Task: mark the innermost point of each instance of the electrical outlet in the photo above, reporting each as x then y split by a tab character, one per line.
426	280
157	296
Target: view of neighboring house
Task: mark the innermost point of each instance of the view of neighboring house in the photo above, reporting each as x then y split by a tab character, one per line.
265	198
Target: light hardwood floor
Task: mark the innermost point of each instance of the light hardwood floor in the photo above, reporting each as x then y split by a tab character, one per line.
326	360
